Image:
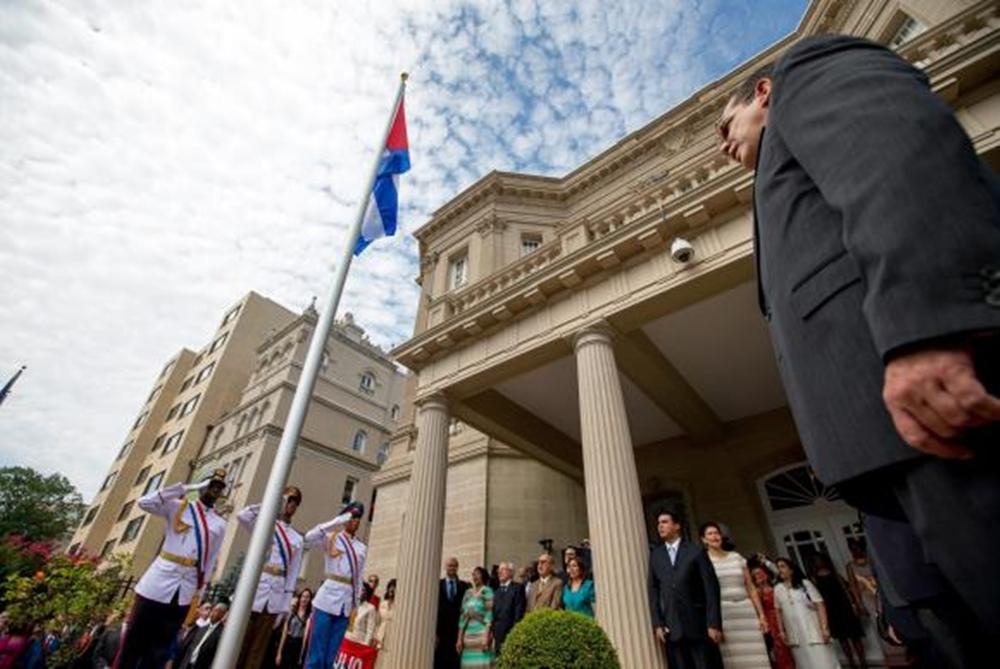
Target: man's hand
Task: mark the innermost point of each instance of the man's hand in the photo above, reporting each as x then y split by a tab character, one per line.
661	635
933	395
715	634
197	487
458	645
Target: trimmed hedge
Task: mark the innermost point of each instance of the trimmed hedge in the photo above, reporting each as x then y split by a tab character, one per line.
548	639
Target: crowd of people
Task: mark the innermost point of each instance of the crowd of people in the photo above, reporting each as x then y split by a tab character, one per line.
713	607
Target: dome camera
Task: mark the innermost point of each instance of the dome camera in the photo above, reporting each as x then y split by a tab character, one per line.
681	250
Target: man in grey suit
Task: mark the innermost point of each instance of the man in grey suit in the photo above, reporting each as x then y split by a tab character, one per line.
877	233
684	599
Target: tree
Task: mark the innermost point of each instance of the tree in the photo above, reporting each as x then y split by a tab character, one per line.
37	507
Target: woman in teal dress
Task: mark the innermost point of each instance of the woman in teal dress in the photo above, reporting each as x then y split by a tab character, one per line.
578	593
475	624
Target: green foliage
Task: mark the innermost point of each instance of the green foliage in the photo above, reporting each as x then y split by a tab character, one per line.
548	639
66	593
37	507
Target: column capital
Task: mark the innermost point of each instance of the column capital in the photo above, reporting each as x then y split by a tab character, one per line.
435	400
598	332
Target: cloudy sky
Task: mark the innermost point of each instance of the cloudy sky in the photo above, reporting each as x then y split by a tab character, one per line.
160	159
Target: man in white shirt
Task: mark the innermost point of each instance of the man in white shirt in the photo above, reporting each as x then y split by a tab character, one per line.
186	560
277	578
344	562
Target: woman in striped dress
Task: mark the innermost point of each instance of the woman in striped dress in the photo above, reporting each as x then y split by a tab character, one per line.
743	620
475	624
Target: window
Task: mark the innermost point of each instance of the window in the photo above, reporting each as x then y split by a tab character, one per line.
203	374
173	411
158	442
166	369
132	529
126	509
153	483
156	391
140	420
233	472
230	315
108	547
360	440
324	363
219	341
189	406
909	29
173	442
121	453
367	383
349	488
530	244
108	481
74	549
187	384
142	475
89	518
383	454
459	271
395	412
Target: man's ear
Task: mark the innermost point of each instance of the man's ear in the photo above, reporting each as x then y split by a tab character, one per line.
762	92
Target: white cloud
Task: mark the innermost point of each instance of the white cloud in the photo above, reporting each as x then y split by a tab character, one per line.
158	160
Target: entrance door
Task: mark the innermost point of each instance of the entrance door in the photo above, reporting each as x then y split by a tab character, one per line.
807	518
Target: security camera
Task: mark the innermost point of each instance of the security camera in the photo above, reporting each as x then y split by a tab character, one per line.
681	250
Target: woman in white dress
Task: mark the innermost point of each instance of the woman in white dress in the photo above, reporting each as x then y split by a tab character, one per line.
743	621
803	613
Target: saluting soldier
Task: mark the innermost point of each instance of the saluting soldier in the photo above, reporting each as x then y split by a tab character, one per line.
340	592
164	593
277	579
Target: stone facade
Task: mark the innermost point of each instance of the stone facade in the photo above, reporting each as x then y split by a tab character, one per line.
553	321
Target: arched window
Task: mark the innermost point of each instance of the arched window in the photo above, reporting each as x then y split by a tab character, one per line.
383	453
367	383
395	412
360	440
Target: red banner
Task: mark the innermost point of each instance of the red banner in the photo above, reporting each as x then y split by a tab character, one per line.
355	656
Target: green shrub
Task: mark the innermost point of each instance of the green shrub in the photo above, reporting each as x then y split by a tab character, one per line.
549	639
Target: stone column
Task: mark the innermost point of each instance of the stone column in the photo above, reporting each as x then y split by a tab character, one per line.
614	505
411	644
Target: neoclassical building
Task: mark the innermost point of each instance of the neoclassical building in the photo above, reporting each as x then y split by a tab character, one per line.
577	354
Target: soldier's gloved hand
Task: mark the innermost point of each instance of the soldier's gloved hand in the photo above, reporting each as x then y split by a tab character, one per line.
342	518
197	487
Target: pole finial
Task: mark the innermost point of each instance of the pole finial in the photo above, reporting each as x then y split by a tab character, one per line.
404	76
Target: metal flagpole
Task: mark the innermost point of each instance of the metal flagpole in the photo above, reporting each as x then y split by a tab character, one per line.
260	542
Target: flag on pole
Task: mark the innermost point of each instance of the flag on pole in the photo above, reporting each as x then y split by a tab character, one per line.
382	213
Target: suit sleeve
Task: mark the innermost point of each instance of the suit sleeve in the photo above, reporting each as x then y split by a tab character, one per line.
163	502
710	582
520	602
920	213
654	594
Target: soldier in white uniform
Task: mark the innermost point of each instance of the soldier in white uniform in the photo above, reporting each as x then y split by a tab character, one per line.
186	559
339	594
277	579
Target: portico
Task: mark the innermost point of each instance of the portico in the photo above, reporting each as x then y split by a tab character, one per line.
554	320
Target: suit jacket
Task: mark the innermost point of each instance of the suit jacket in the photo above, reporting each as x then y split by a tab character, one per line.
684	596
877	227
106	646
207	652
508	608
547	595
447	620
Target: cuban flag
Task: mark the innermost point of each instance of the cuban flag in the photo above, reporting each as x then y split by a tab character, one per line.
382	213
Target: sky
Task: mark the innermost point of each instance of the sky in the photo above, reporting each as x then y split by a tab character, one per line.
160	159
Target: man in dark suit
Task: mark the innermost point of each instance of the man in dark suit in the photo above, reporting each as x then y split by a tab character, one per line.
508	604
878	266
199	650
450	594
684	599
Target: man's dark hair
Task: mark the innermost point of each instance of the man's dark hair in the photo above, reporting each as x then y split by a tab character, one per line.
745	92
674	516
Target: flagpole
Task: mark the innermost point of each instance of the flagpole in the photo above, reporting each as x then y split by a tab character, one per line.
260	541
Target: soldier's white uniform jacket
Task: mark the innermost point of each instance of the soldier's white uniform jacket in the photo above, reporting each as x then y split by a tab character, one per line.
187	557
344	566
277	580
